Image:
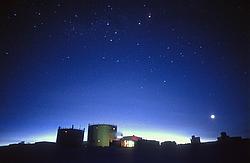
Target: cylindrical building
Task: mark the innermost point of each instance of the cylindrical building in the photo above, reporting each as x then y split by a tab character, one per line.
70	136
101	135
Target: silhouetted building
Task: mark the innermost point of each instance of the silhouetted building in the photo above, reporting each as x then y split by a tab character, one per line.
21	142
129	141
116	143
70	136
195	140
168	144
225	138
101	135
147	144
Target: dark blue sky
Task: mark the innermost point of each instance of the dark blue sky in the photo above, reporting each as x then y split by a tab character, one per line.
157	69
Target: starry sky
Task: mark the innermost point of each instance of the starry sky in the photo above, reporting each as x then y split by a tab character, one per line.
157	69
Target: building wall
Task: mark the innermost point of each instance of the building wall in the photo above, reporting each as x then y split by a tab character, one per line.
147	144
70	137
195	140
101	135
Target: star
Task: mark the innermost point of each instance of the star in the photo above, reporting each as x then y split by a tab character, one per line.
67	57
37	13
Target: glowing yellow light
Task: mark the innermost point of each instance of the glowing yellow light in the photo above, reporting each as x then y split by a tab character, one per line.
129	143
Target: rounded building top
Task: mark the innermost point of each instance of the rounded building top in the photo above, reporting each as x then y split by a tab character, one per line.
102	124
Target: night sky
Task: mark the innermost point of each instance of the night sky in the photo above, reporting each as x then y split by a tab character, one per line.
157	69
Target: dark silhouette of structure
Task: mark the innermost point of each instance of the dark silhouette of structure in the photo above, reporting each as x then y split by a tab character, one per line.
168	144
147	144
70	137
195	140
224	138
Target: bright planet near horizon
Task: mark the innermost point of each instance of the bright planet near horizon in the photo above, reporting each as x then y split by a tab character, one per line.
212	116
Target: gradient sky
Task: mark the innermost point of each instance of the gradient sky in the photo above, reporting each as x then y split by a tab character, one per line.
157	69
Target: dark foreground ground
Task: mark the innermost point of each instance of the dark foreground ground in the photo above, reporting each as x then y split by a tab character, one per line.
52	153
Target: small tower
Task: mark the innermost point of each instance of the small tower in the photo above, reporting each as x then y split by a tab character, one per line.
195	140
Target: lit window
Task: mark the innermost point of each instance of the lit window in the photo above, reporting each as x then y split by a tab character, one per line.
129	143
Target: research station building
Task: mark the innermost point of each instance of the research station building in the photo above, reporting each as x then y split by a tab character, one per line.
101	135
70	136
